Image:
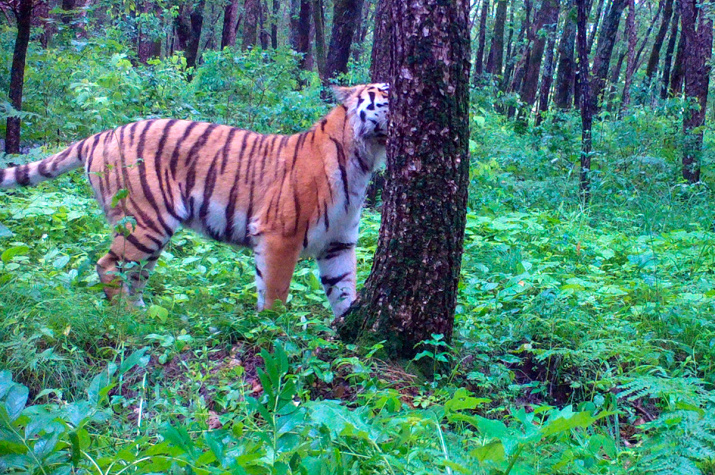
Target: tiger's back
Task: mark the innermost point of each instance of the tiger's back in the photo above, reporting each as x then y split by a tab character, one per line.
283	195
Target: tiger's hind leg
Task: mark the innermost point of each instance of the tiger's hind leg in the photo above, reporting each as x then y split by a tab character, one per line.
276	257
125	269
337	265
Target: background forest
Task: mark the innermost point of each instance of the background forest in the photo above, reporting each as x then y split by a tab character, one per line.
584	339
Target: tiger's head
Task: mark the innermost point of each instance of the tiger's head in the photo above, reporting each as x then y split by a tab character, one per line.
368	108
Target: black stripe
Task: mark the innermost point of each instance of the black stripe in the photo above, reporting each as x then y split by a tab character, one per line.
233	195
343	172
141	247
226	148
296	204
146	188
251	160
174	160
334	249
164	187
332	281
259	273
22	175
42	169
298	146
266	154
208	191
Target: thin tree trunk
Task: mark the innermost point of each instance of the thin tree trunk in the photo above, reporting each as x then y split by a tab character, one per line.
496	50
566	73
594	28
251	14
23	18
300	30
264	36
546	78
668	60
230	15
677	76
630	69
604	50
547	19
188	31
274	23
412	289
482	39
585	103
699	41
514	70
319	25
654	57
148	46
360	32
346	14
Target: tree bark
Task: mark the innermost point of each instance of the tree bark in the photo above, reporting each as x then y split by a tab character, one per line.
566	74
594	28
631	67
678	74
251	14
23	18
585	103
74	17
482	39
346	14
412	289
188	30
604	50
496	49
547	18
230	17
300	31
148	46
546	77
654	57
274	23
698	31
668	60
319	28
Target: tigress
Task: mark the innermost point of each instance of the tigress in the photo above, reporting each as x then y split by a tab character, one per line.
284	196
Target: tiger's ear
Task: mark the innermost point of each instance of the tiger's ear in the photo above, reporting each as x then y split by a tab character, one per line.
342	94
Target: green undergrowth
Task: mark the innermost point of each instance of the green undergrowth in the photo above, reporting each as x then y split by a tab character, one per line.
584	340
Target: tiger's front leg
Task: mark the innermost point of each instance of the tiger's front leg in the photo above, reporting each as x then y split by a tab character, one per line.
337	265
276	257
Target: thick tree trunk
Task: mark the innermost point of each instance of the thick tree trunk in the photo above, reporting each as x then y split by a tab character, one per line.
481	41
630	69
23	17
300	31
604	50
412	289
148	45
230	17
496	49
654	57
264	36
668	60
41	18
677	76
546	19
74	16
546	78
319	26
585	102
346	14
251	14
566	73
188	30
698	31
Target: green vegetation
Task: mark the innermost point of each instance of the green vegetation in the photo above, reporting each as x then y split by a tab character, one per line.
584	341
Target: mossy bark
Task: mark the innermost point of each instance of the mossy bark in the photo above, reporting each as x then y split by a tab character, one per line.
412	289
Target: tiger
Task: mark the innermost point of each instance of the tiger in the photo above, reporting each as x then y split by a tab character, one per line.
284	196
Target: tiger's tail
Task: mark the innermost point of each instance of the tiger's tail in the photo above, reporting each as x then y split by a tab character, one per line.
33	173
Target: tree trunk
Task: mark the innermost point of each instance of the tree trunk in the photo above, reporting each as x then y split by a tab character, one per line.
251	14
23	17
518	68
585	103
496	49
546	77
668	60
230	17
654	57
594	28
412	289
74	16
360	33
274	23
699	41
566	75
678	74
264	36
319	28
482	39
148	45
346	14
604	50
41	18
188	30
300	31
630	69
547	18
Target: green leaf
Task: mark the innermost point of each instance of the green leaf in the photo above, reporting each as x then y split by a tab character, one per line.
119	195
15	401
12	252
